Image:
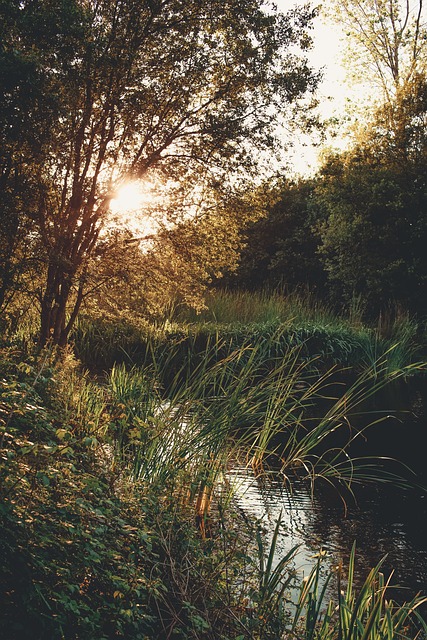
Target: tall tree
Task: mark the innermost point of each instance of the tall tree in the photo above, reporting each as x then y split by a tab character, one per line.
375	232
190	90
374	195
387	41
23	117
281	247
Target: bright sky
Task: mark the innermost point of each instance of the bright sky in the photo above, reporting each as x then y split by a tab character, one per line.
338	98
326	55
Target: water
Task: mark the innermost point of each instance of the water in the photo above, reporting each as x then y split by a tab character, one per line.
384	522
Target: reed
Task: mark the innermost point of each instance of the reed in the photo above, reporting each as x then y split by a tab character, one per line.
231	319
258	402
156	440
326	604
364	614
259	307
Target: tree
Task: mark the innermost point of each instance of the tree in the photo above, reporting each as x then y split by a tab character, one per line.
23	113
147	277
281	248
387	40
189	90
375	233
398	129
373	196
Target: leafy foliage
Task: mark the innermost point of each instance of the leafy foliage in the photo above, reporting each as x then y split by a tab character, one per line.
387	41
187	94
280	248
375	229
357	231
106	491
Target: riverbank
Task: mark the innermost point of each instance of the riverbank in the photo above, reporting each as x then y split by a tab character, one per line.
115	522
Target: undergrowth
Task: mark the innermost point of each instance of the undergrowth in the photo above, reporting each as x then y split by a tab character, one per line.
111	522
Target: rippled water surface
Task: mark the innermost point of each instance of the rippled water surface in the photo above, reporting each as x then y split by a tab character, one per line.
385	521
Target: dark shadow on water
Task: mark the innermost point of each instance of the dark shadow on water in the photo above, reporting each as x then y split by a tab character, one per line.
384	520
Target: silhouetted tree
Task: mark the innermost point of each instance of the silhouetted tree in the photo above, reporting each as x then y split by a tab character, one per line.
191	90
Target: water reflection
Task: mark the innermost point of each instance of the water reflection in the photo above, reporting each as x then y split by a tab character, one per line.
385	521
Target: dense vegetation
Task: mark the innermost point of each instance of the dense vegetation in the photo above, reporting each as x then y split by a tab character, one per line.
357	231
129	384
184	95
118	520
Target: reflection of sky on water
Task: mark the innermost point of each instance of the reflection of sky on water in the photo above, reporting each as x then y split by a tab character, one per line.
385	521
265	500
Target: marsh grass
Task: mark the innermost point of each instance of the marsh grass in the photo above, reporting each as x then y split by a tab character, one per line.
366	613
231	319
243	405
262	307
258	401
239	407
165	448
326	604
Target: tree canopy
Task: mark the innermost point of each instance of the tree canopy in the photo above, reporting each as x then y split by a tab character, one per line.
106	91
387	40
281	248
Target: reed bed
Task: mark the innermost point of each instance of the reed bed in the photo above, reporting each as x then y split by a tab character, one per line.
234	318
260	307
148	445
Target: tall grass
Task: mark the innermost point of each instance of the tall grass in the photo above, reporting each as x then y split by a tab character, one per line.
173	428
364	614
255	402
251	405
305	316
234	318
325	604
261	307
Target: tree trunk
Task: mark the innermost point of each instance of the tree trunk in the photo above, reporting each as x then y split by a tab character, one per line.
54	306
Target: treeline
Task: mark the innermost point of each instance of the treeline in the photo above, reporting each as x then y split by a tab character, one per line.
357	231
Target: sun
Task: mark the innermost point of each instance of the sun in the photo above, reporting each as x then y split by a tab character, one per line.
134	207
132	197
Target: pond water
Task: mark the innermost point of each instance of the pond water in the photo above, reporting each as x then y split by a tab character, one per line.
384	520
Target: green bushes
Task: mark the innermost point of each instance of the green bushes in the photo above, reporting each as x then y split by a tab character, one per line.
86	550
67	538
112	521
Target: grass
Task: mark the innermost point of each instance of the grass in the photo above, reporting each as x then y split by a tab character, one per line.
233	319
113	520
365	614
229	307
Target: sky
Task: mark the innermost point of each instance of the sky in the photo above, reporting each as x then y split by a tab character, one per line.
304	157
339	97
326	55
